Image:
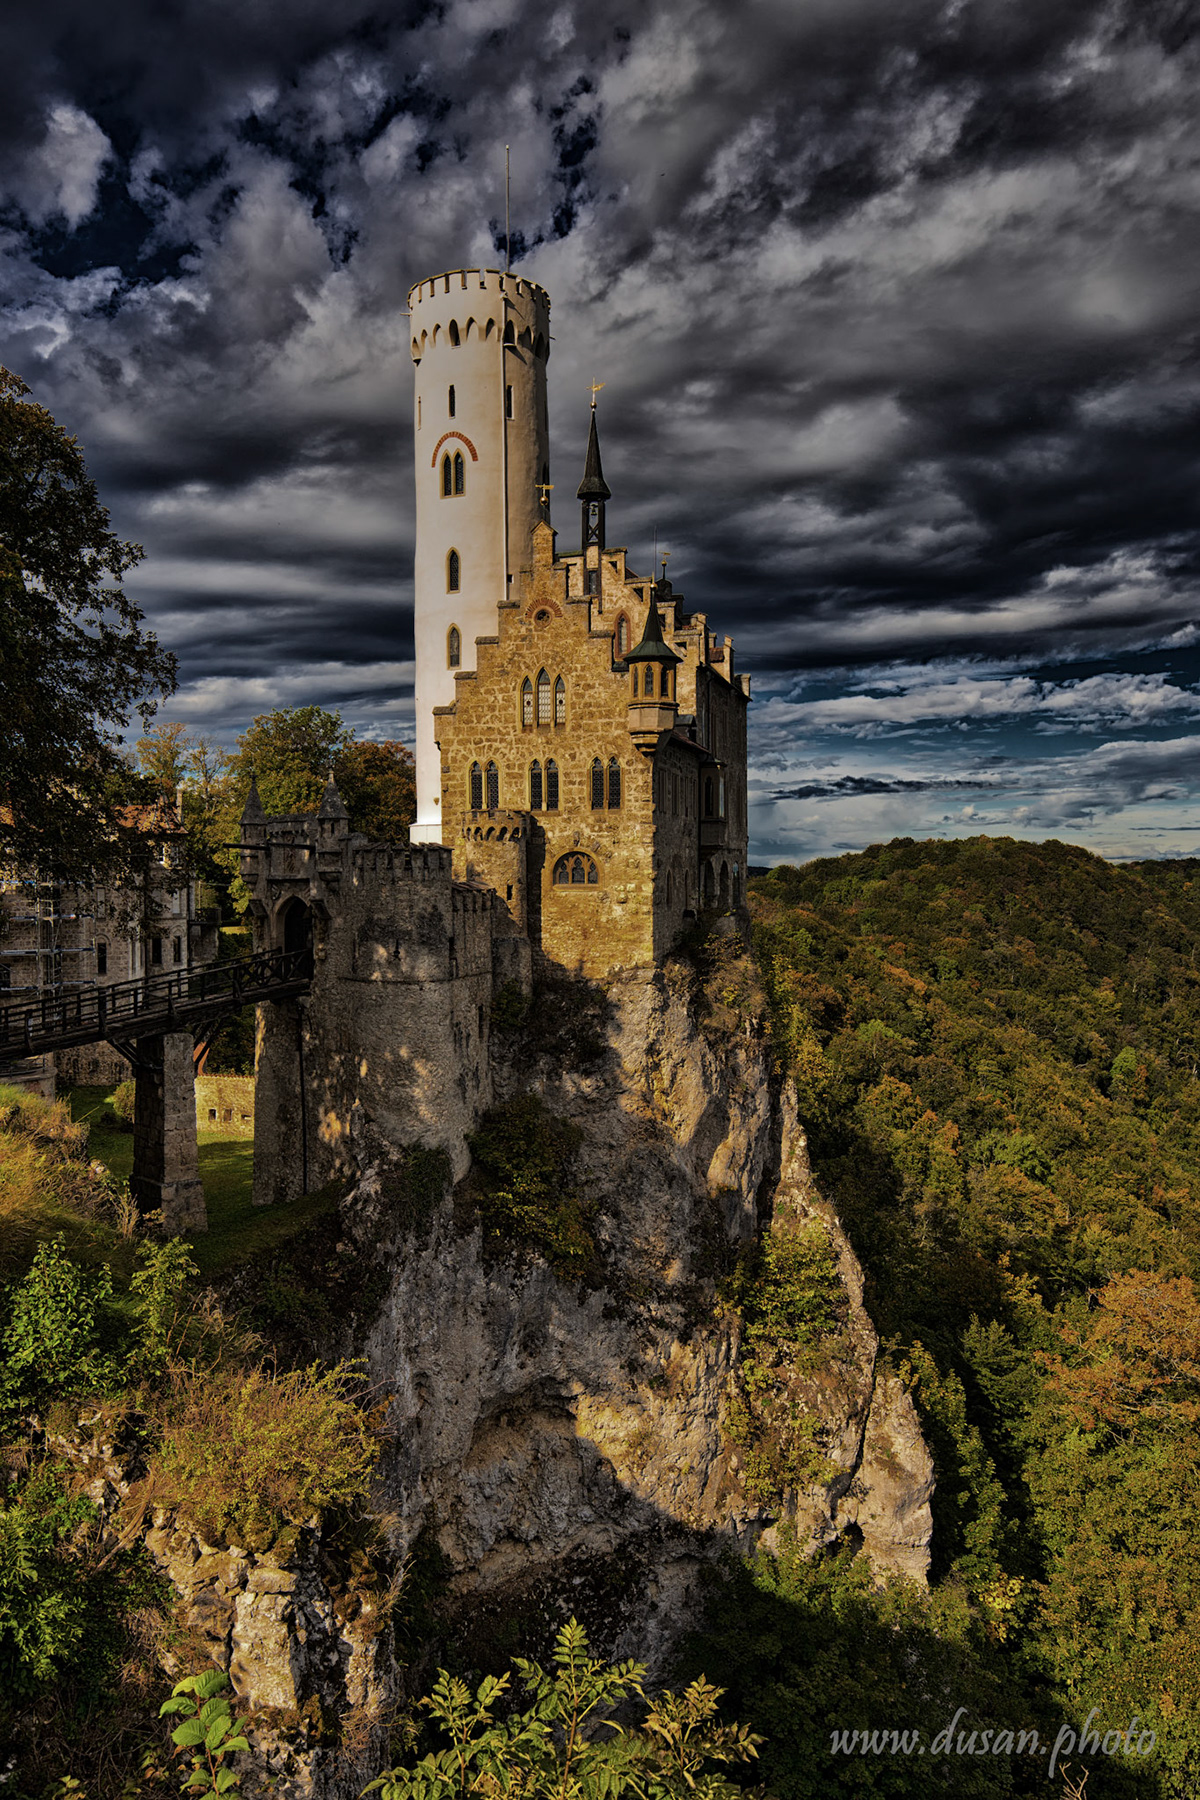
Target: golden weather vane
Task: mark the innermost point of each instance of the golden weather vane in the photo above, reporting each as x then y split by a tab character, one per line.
663	555
545	489
596	386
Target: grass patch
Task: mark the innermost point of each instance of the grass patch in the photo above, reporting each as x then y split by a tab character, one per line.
238	1231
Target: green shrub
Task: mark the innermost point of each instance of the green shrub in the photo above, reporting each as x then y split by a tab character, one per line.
524	1157
792	1305
122	1101
564	1744
245	1453
53	1345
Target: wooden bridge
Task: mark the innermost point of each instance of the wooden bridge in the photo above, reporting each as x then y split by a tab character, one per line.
156	1024
129	1010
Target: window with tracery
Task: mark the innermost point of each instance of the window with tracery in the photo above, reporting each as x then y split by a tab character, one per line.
560	701
493	786
551	785
453	647
597	784
543	698
476	788
453	572
460	473
527	702
535	787
576	870
447	475
614	782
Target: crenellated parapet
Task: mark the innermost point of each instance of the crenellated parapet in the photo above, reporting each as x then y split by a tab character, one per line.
391	1044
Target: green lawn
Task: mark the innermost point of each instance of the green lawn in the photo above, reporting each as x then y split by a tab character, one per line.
238	1231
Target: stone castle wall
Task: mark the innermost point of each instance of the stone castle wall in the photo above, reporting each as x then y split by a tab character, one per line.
391	1045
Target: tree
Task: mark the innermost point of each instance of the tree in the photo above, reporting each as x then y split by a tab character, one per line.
165	757
378	782
75	663
290	754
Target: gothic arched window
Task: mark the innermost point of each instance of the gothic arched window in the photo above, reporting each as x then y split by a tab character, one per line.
551	785
560	701
453	572
614	782
450	401
510	336
493	787
664	682
576	870
527	702
454	338
622	636
543	698
460	473
597	784
447	475
453	647
476	788
535	787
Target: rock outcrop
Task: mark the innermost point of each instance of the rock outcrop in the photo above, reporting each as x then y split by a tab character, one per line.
566	1440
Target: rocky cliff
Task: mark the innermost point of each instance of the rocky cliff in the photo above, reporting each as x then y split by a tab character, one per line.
562	1439
559	1438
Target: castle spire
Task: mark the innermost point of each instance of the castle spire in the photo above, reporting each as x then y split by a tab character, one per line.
593	492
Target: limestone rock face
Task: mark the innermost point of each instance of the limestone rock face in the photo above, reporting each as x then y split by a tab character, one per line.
301	1650
565	1442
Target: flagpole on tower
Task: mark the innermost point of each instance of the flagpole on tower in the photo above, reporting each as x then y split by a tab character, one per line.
507	229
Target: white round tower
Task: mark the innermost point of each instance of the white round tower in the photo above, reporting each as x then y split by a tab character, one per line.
480	340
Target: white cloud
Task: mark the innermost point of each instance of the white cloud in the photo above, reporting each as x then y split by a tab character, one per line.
59	177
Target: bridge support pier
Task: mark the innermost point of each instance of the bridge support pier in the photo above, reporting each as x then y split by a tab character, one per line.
166	1171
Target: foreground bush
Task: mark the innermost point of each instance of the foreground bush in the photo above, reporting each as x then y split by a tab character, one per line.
250	1451
565	1745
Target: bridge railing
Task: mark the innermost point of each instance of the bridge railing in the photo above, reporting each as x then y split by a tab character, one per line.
127	1008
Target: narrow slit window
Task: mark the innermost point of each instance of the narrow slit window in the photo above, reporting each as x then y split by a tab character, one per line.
614	782
102	959
493	787
453	571
664	682
622	637
476	788
543	698
453	647
597	784
450	401
551	785
527	702
508	410
560	701
535	787
460	473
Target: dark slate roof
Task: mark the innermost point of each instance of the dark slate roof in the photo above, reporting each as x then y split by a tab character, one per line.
593	486
332	806
253	809
653	647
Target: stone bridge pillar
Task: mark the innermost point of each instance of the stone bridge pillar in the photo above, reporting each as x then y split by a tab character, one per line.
166	1172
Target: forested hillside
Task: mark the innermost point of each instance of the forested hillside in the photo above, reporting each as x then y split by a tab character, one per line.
995	1047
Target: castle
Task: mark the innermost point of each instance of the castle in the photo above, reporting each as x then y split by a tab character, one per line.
581	773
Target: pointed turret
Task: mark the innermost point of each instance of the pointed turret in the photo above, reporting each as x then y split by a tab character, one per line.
593	486
332	805
252	812
653	709
593	492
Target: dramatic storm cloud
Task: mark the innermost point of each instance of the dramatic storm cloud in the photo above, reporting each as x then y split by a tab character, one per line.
896	307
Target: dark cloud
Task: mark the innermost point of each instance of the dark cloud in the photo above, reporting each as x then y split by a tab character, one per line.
895	303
